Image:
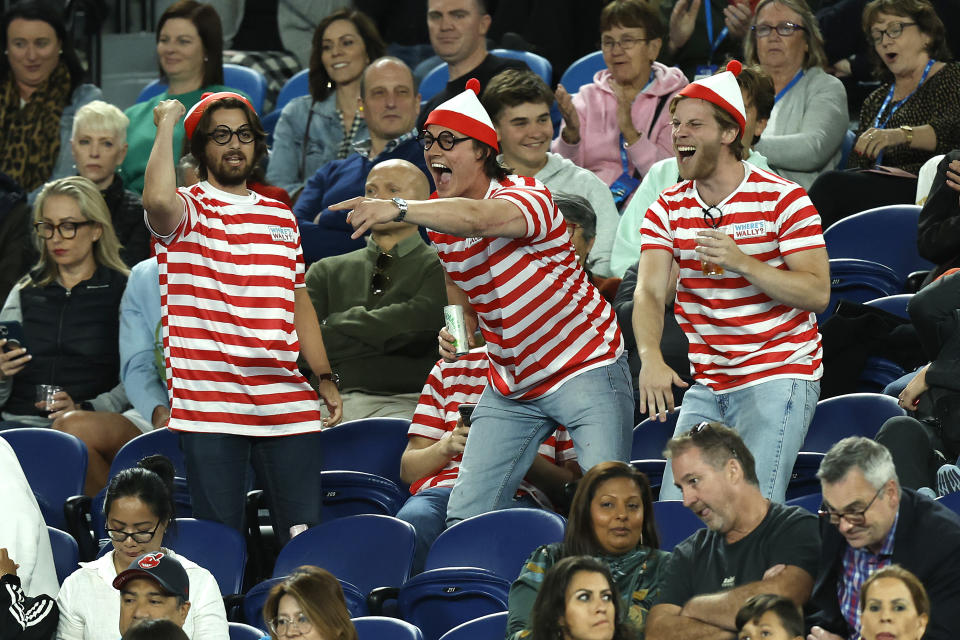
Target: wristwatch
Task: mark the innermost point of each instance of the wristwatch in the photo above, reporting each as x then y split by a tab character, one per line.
907	131
402	206
332	377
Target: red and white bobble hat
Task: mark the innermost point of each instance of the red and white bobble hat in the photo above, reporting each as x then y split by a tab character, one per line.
722	90
464	113
192	119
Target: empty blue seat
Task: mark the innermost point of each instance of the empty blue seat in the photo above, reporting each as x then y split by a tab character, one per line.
652	468
382	628
436	601
216	547
803	480
581	71
537	63
897	305
860	281
434	82
350	493
485	627
66	554
55	465
298	85
371	445
674	522
854	414
650	437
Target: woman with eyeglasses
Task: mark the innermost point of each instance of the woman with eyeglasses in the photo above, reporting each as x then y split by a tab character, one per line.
619	125
138	511
913	116
308	605
809	118
67	309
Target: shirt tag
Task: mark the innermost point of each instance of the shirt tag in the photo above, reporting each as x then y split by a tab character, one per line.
282	234
747	230
704	71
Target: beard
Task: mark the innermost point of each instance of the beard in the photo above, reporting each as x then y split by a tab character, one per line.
703	163
230	175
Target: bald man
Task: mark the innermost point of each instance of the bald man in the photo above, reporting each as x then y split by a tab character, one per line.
379	306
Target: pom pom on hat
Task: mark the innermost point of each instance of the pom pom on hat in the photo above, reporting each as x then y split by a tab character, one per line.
723	90
464	113
193	116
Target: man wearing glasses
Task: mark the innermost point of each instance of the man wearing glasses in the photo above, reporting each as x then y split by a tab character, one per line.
868	521
379	306
236	316
556	353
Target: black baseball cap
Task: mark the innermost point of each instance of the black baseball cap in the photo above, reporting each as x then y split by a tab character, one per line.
162	569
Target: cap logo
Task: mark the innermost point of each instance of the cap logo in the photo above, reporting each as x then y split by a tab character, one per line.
150	561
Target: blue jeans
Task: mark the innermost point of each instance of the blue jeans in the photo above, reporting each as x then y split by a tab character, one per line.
595	406
287	468
772	418
427	512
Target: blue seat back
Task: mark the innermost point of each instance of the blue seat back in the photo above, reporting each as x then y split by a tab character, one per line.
371	445
240	631
382	628
653	468
66	553
859	281
650	437
493	625
216	547
256	597
581	71
537	63
55	465
248	81
849	139
298	85
803	479
159	441
517	532
854	414
269	124
886	235
350	493
674	522
439	600
896	305
434	82
951	501
811	502
368	551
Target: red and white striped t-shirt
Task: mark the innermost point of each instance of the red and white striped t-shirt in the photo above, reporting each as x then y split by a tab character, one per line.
227	279
738	335
451	384
541	318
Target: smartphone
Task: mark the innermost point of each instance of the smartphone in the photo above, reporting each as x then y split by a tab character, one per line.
12	332
466	411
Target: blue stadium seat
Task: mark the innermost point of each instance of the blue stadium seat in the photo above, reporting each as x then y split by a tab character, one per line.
650	437
441	599
216	547
66	554
55	465
849	139
382	628
369	551
854	414
653	469
811	502
803	479
951	501
249	82
485	627
350	493
371	445
581	71
240	631
674	522
434	82
886	235
517	533
159	441
897	305
298	85
859	281
269	124
879	372
537	63
256	597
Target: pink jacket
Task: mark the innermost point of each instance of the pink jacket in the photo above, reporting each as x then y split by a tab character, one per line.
599	146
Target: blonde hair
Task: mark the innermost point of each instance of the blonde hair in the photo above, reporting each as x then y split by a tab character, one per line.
101	116
106	250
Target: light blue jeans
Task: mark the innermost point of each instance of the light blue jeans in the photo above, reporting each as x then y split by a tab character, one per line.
772	418
595	406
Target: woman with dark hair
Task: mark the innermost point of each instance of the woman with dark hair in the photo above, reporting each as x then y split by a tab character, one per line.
41	88
893	604
190	57
578	601
611	518
809	119
913	116
138	511
310	605
620	123
322	126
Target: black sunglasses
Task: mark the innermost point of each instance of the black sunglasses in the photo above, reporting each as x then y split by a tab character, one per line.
380	280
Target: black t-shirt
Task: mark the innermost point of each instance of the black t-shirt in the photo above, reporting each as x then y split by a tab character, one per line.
705	563
491	66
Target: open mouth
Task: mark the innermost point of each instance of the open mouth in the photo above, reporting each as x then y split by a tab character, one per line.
442	174
890	57
684	152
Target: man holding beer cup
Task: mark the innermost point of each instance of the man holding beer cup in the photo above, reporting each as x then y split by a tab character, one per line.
556	353
753	271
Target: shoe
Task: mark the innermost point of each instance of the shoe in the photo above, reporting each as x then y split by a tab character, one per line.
948	479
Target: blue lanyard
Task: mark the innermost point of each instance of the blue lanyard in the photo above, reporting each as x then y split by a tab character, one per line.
723	33
623	142
893	109
789	86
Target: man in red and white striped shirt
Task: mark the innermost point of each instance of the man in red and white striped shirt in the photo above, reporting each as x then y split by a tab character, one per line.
556	354
235	317
753	270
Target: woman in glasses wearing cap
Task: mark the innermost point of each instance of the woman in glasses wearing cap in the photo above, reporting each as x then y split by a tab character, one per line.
138	511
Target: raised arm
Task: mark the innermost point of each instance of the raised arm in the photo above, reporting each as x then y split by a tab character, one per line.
164	208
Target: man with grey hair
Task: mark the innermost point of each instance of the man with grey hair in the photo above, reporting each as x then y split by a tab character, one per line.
868	521
750	546
581	222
